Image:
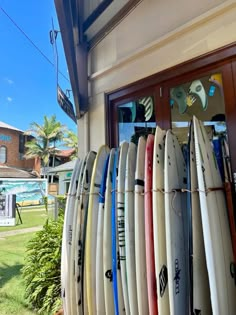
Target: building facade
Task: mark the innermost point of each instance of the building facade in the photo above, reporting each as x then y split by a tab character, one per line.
138	64
12	146
132	63
146	49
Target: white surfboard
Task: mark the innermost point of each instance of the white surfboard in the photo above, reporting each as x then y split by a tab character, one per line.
159	227
139	231
66	239
107	244
80	231
219	253
100	298
116	271
74	240
201	302
91	230
176	226
129	228
121	221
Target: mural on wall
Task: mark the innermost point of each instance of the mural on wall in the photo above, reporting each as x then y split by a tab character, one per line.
30	192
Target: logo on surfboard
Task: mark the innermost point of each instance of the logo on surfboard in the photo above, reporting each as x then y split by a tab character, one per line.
163	279
177	276
108	274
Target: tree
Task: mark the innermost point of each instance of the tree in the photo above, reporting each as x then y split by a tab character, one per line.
43	145
71	141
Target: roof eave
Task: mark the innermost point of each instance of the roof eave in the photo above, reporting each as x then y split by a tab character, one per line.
75	52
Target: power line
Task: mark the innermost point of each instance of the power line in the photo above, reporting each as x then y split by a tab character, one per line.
32	43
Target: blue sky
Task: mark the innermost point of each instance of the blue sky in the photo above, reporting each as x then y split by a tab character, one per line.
27	80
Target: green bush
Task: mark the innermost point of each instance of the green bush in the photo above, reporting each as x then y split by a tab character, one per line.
42	270
61	199
45	202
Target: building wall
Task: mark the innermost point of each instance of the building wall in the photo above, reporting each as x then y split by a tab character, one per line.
11	142
64	180
150	39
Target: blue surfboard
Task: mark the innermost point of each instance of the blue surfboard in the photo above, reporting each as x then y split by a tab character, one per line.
114	233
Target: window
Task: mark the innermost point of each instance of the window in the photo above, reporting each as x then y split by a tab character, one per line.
21	146
3	154
202	97
135	119
204	86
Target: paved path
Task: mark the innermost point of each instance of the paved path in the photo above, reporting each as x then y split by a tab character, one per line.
21	231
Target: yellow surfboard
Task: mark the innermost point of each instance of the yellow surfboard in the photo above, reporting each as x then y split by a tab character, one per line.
91	231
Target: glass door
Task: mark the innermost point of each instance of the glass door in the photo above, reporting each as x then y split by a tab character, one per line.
204	98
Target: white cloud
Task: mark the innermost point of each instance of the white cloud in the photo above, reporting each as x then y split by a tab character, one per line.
9	81
9	99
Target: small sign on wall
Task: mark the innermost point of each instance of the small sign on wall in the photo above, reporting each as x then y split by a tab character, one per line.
5	138
7	210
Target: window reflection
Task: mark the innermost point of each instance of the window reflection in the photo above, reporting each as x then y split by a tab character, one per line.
136	119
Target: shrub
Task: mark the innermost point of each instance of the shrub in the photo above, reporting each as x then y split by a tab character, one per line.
42	270
61	199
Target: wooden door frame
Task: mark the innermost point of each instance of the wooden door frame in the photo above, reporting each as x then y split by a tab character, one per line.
222	59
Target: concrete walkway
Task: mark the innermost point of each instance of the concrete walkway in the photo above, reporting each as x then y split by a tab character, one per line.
21	231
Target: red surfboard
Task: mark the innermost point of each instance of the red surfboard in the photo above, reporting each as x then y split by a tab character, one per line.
151	275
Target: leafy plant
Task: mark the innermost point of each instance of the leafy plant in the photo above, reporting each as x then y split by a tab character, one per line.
41	272
45	202
61	199
71	141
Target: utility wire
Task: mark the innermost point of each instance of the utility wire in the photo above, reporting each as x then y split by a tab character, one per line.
32	43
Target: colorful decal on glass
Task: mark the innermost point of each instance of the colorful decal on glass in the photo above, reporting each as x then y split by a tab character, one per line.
212	90
216	79
179	95
171	102
190	99
197	89
147	102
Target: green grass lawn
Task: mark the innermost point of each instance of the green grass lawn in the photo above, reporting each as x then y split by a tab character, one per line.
12	251
30	218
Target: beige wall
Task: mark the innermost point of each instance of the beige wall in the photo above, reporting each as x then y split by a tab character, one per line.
155	36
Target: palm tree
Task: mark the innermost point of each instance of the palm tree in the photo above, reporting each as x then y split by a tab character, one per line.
45	138
70	140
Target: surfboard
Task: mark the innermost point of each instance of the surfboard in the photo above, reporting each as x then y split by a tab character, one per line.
139	231
159	227
199	286
116	275
151	275
91	231
74	240
176	226
66	239
215	223
107	240
80	232
129	227
228	191
121	221
100	299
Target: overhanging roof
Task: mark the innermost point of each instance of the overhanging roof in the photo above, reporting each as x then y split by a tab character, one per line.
11	172
6	126
83	23
69	166
68	32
